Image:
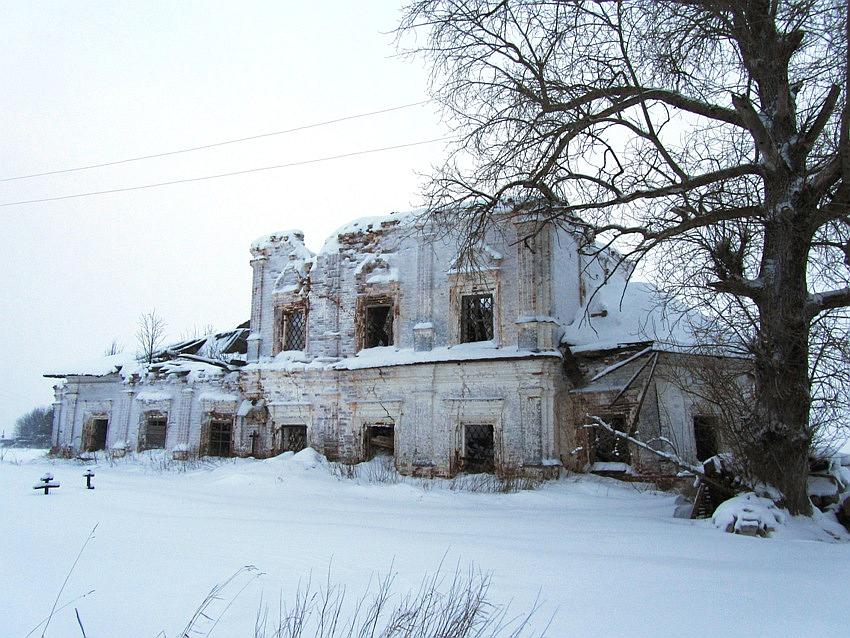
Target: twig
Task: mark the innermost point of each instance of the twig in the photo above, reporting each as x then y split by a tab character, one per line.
67	577
80	622
68	604
213	596
599	423
673	458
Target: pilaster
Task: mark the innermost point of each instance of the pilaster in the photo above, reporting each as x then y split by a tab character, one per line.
258	265
423	331
330	333
125	411
535	324
184	418
57	415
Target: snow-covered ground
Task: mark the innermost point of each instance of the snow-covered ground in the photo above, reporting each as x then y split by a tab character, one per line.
604	558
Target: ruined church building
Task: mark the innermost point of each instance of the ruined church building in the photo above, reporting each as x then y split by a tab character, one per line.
385	342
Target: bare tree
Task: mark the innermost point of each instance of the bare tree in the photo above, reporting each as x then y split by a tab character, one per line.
113	348
196	332
716	130
150	335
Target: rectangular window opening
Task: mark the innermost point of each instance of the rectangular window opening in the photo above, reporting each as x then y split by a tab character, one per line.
479	448
154	432
379	440
609	447
378	326
219	442
292	438
476	318
294	330
96	435
705	437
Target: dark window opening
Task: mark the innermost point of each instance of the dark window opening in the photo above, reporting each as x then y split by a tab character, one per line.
96	435
609	447
219	441
293	438
379	326
379	441
705	437
154	434
294	330
476	318
479	448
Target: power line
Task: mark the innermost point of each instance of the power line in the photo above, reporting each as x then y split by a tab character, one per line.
231	174
215	144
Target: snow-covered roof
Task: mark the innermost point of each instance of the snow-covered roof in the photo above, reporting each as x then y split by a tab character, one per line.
97	367
392	356
190	355
620	314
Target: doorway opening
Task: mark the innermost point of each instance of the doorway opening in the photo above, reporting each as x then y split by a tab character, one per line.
478	448
96	434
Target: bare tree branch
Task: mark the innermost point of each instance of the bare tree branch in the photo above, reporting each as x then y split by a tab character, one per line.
700	134
150	335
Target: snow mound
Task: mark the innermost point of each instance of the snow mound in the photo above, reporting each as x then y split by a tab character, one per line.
748	514
306	459
821	486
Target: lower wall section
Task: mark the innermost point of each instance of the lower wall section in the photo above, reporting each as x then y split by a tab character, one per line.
435	419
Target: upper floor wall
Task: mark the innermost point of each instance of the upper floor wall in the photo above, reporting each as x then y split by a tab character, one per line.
391	281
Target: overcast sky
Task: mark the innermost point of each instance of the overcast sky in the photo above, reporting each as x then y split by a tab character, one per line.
94	82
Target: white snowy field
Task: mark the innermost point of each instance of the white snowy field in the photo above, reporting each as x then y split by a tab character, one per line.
604	558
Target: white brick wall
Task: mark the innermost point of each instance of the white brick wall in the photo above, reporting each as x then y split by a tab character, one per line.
535	275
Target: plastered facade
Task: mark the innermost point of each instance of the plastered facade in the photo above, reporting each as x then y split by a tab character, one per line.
426	388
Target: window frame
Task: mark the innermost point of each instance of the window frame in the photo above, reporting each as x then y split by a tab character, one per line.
374	430
214	425
284	432
144	443
363	332
287	327
469	325
371	339
282	313
476	284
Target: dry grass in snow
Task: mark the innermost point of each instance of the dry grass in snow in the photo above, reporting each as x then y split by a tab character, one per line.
593	556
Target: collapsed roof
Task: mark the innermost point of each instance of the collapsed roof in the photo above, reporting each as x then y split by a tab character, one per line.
224	350
620	314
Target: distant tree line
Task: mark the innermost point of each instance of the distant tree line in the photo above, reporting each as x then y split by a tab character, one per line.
35	427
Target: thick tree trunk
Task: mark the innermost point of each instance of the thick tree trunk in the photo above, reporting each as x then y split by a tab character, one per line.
783	392
781	436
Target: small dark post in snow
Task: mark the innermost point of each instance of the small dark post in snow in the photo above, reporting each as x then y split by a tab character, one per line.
254	435
89	474
46	483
